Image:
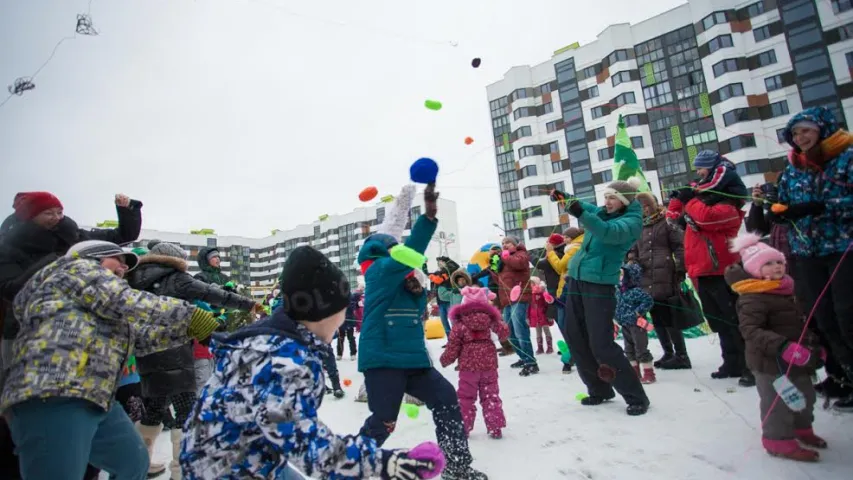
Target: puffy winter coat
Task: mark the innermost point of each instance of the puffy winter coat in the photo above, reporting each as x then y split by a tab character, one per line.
470	340
768	320
392	334
539	312
258	411
660	253
560	263
172	371
631	300
79	325
515	271
551	275
27	247
606	241
832	184
706	250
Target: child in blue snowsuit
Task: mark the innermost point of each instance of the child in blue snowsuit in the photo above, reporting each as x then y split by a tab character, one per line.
392	347
257	415
633	303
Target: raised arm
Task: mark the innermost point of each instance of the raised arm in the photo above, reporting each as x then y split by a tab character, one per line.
192	289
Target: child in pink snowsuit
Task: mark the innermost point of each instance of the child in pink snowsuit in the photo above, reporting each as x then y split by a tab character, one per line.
537	315
471	343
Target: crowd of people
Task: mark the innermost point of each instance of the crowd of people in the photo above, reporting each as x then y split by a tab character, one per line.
101	343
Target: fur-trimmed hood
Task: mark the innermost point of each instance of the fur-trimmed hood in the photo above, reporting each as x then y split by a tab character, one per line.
460	273
475	316
152	268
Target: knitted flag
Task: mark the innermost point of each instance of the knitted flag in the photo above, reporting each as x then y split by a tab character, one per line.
625	162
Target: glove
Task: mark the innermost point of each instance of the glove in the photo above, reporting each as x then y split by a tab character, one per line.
401	466
430	201
429	452
796	354
558	196
505	254
515	293
548	298
575	209
800	210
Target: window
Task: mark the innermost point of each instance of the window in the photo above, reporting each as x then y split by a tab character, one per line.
724	66
528	171
552	147
545	88
523	132
597	112
605	154
700	138
715	18
498	107
211	242
661	119
653	72
849	57
581	176
735	116
689	85
657	95
599	133
846	31
780	135
572	114
756	8
817	88
803	36
723	41
518	94
671	163
773	83
508	181
552	126
730	91
631	120
606	176
625	98
568	94
839	6
766	58
797	10
637	142
810	61
741	142
527	151
534	190
779	108
649	52
559	166
574	134
524	112
531	212
662	141
761	33
617	56
592	71
621	77
547	108
592	92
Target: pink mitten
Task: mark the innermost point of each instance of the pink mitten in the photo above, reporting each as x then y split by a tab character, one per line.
823	354
548	298
504	254
514	293
796	354
430	452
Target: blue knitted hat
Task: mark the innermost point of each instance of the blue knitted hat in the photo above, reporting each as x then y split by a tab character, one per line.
707	159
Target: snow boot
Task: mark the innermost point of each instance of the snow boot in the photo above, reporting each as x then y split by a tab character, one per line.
340	357
677	362
529	369
747	379
149	436
567	368
667	356
648	374
637	409
844	404
636	366
594	400
176	436
807	437
466	473
726	372
550	346
539	350
789	449
518	364
496	434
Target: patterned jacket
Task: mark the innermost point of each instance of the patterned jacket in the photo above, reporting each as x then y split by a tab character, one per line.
79	325
631	300
259	411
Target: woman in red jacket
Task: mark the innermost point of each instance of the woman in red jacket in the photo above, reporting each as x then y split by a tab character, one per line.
515	272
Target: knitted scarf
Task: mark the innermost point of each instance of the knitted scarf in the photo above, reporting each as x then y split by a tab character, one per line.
655	217
756	285
830	147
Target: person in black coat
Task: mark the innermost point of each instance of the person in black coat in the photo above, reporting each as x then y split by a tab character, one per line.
36	234
169	376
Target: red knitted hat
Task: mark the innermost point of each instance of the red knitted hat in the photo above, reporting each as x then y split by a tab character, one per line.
29	204
556	239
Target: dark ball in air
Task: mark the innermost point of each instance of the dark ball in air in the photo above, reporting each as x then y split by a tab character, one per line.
476	62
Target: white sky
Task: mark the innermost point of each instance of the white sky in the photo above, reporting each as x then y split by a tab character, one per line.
249	115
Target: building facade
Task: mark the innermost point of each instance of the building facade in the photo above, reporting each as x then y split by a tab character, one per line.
723	75
256	262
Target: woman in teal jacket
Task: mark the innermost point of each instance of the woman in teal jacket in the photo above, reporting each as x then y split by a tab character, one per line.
590	294
392	350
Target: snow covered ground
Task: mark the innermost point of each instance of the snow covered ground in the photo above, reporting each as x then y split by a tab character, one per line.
696	428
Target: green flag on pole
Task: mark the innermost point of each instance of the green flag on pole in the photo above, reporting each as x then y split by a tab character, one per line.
625	162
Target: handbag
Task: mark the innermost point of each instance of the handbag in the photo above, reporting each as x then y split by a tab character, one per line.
685	310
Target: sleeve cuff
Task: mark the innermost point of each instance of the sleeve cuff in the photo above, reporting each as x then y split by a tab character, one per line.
202	324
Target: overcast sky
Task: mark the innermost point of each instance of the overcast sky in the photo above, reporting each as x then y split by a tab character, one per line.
249	115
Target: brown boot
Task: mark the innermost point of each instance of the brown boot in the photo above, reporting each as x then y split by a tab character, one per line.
648	374
507	348
149	436
539	350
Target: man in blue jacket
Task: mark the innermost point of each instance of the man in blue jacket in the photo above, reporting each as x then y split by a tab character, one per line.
392	347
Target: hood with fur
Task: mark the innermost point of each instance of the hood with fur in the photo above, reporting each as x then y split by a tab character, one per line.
475	315
152	268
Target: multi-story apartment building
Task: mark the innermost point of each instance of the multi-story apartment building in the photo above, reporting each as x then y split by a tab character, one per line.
724	75
256	262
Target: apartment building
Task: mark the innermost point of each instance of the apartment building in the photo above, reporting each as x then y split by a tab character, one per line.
724	75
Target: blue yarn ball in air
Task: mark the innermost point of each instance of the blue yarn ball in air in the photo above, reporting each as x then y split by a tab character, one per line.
424	170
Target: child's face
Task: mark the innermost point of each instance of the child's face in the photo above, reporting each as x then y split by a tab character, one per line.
508	245
115	265
806	138
703	172
774	270
461	282
326	328
612	204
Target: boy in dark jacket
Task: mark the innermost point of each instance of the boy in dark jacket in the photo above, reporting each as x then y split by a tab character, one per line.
632	304
269	385
348	328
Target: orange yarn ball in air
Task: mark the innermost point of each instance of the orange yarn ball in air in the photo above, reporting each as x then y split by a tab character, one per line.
347	382
469	140
368	194
778	208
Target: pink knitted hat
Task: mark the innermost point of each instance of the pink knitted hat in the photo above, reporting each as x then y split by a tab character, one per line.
754	254
476	295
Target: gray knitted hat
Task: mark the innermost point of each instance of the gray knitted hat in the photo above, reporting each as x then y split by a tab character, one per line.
169	250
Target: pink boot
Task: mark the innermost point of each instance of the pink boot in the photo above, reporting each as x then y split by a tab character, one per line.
789	449
807	437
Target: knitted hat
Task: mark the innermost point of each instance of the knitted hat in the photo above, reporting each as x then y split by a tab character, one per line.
573	232
212	254
806	124
512	239
29	204
152	243
312	287
477	295
169	250
707	159
624	191
98	249
556	239
754	254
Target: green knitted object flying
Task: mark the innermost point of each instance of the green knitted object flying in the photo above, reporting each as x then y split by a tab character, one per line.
625	162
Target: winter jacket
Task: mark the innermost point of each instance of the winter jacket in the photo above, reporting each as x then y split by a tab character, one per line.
548	273
660	253
491	273
27	247
560	263
606	241
538	309
829	232
768	320
515	271
258	411
209	274
631	300
172	371
79	325
442	282
353	307
470	340
706	247
392	334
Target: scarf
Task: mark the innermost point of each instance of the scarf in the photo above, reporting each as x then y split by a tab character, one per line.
774	287
655	217
829	148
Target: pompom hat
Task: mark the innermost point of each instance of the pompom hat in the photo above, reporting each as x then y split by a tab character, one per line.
556	239
754	254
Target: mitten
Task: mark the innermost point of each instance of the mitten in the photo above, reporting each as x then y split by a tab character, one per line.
399	466
430	201
676	206
505	254
795	354
429	452
558	196
515	293
574	208
800	210
548	298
